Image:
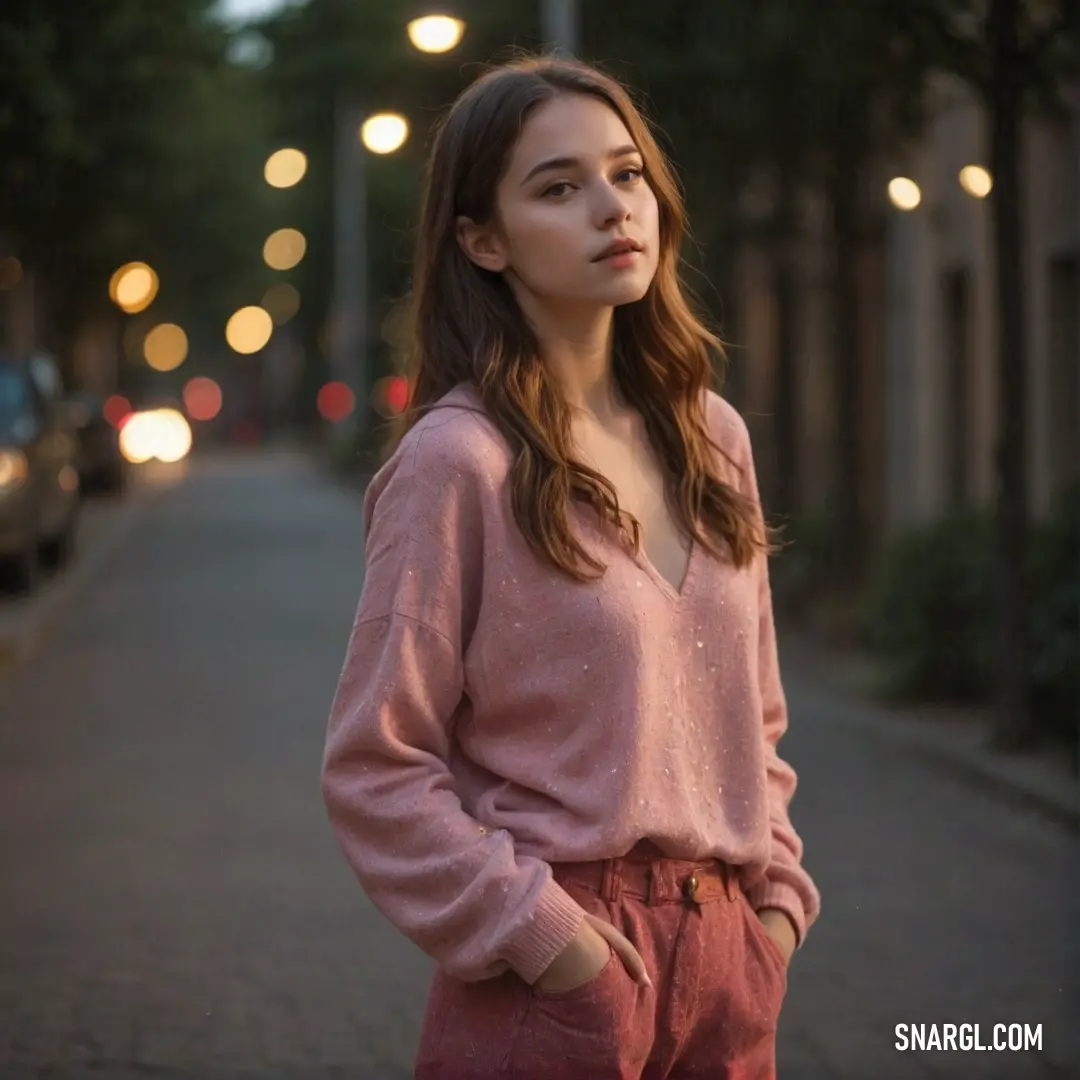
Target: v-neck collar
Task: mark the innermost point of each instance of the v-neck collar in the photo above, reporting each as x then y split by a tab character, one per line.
675	595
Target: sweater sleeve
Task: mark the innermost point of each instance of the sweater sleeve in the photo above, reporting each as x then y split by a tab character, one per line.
786	885
459	891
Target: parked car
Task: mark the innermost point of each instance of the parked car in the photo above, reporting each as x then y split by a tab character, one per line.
100	463
39	481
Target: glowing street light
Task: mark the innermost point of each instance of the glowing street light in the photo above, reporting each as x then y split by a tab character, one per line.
435	33
904	193
249	329
976	181
165	347
133	287
284	249
156	433
384	133
285	168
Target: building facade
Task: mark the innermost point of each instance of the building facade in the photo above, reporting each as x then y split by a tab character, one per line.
927	328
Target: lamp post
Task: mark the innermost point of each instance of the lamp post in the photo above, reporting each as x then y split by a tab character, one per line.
355	134
560	25
349	320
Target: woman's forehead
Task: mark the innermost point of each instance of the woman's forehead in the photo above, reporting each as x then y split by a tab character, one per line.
569	126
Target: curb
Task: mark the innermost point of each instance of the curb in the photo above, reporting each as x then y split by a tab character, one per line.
1026	780
19	645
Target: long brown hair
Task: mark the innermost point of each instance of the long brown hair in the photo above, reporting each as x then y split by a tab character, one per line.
468	329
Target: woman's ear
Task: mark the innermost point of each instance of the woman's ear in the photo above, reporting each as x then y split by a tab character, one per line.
481	245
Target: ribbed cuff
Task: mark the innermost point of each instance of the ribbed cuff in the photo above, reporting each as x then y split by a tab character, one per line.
774	894
554	924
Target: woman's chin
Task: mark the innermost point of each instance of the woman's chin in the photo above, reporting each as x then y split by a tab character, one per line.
627	291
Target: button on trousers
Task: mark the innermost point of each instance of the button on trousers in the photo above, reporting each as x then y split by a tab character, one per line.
719	981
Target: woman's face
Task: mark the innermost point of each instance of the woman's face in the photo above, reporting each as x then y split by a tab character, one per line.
574	186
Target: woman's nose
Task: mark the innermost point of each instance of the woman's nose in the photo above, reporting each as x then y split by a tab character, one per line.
612	208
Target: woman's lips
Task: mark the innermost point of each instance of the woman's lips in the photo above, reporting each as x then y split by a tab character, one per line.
621	259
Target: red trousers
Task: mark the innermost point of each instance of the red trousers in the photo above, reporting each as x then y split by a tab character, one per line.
719	982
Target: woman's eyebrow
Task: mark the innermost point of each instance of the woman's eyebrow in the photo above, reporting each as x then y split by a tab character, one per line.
573	162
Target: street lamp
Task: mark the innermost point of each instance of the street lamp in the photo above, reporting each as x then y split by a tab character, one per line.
285	168
904	193
384	133
133	287
560	25
437	30
976	181
354	133
435	33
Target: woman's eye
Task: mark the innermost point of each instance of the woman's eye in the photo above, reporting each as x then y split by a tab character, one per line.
556	189
633	172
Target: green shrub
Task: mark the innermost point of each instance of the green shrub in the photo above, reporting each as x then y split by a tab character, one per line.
929	610
930	613
1055	617
803	563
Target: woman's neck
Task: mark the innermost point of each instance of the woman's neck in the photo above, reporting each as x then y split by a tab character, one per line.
578	351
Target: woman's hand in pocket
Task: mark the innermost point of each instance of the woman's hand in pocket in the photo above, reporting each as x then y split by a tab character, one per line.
778	927
588	954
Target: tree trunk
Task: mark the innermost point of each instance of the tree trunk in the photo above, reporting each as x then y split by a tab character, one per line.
848	541
1012	720
787	489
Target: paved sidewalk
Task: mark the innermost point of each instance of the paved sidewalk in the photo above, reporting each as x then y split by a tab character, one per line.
952	737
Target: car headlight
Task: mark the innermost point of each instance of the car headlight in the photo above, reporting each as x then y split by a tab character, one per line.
14	469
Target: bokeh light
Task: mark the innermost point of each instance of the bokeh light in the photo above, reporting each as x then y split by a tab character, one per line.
390	396
335	402
202	398
435	33
165	347
116	410
249	329
133	287
285	168
976	181
282	302
904	193
14	468
156	433
284	249
384	133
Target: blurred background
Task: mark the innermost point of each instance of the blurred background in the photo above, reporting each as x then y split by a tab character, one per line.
206	216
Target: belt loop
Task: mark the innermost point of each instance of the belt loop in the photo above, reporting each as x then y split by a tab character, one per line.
611	882
731	882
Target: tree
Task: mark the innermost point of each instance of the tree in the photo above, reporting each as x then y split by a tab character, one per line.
784	97
326	49
125	134
1012	59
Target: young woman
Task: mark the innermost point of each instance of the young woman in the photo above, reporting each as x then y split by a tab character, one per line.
551	760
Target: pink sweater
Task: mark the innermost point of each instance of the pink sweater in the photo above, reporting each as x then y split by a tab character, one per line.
493	716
